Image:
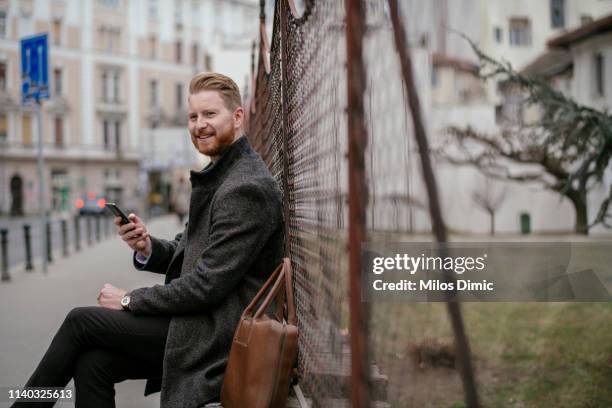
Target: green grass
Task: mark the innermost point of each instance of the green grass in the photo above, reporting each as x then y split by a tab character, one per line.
526	354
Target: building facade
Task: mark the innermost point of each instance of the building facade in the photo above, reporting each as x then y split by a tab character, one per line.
118	72
515	31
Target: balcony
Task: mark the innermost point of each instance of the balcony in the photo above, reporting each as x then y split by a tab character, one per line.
8	103
156	117
111	107
58	105
69	152
178	117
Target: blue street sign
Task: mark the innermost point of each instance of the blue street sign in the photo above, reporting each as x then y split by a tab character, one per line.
34	68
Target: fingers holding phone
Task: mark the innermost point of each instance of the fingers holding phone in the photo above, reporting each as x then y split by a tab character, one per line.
134	233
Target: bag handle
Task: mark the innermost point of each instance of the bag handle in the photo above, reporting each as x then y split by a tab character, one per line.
273	292
280	274
249	309
280	298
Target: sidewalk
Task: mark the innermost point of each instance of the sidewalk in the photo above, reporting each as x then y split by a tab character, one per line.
33	305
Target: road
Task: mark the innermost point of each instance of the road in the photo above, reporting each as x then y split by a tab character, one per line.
16	235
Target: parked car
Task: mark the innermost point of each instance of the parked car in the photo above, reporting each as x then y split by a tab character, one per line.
90	204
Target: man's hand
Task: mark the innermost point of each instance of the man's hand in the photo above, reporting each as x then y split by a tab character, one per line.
110	297
134	234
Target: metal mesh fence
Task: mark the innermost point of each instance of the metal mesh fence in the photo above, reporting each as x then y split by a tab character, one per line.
298	123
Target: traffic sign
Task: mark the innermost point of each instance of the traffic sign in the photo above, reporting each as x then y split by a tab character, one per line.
35	68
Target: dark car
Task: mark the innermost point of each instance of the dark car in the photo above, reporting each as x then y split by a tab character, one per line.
90	204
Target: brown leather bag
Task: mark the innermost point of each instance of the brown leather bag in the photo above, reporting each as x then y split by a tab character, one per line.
264	348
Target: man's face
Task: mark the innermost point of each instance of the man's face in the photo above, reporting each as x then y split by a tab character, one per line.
212	125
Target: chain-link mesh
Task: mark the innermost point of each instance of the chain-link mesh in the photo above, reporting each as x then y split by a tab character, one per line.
313	95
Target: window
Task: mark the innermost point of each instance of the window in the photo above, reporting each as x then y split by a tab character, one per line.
599	74
153	47
102	36
109	3
111	134
153	10
153	93
114	36
510	112
194	54
557	13
116	86
59	131
25	8
497	33
586	19
178	51
26	130
117	136
57	81
110	38
434	76
104	86
3	76
520	31
56	32
106	134
2	24
207	62
59	189
499	114
3	127
110	85
179	95
178	12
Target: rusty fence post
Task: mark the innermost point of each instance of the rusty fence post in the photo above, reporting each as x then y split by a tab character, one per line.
439	229
358	197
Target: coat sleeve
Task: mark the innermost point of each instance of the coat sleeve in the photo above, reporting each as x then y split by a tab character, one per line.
161	254
243	219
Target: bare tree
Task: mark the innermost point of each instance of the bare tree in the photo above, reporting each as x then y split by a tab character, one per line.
489	199
567	149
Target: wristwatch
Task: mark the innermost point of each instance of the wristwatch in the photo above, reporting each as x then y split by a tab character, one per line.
125	302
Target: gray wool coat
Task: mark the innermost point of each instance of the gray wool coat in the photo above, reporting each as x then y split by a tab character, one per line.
231	244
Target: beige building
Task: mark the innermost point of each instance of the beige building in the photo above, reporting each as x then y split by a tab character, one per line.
118	73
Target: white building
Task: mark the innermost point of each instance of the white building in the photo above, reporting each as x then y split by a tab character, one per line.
579	64
516	31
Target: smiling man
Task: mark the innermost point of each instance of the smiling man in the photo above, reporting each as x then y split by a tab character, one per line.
178	335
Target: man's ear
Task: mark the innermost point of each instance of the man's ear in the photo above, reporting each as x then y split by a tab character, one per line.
238	117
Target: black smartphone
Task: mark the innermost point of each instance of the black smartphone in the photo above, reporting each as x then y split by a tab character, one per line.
118	212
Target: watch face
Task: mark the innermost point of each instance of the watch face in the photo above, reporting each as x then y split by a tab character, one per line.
125	301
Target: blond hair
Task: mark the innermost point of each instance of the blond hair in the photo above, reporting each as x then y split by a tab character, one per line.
213	81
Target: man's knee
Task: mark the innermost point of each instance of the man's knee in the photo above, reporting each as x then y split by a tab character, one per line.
81	314
95	365
78	313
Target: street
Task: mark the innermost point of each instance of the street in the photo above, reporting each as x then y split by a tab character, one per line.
16	240
33	305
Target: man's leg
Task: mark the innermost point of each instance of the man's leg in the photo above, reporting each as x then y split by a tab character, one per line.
98	370
90	328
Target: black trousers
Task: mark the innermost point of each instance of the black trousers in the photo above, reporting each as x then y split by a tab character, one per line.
99	347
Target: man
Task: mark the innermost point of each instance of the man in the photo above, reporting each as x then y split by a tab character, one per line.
178	335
